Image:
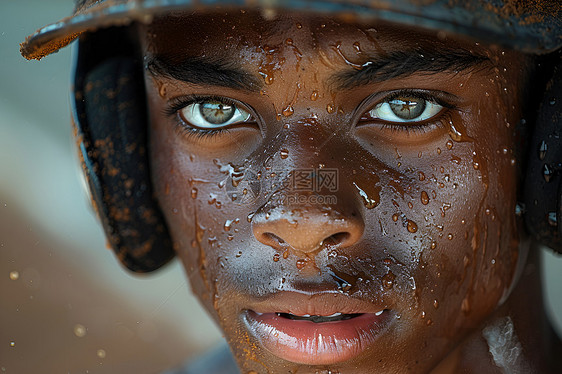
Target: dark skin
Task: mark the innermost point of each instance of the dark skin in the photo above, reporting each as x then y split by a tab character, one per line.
422	228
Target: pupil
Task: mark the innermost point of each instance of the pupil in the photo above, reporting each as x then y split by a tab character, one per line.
216	112
407	107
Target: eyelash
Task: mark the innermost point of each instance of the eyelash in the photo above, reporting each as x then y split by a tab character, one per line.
415	127
176	104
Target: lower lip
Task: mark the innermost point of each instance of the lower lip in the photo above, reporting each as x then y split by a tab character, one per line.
310	343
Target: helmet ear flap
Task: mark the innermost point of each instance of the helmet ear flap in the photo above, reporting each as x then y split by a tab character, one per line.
543	181
111	128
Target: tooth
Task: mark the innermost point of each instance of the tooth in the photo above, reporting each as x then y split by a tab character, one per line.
379	313
335	315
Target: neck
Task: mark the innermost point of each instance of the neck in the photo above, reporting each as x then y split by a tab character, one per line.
517	338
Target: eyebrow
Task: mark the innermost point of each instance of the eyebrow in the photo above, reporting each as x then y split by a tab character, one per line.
405	63
204	71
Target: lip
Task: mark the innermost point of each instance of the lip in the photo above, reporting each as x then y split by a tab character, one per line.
312	343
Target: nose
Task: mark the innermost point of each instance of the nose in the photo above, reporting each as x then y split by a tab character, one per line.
306	230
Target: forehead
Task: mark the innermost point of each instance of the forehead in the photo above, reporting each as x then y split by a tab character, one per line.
241	31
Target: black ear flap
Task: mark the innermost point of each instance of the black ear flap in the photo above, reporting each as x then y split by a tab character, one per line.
543	181
111	123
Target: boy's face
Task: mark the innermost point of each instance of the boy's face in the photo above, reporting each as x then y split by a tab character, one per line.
310	167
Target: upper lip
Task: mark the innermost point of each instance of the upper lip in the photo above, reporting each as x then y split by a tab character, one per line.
324	303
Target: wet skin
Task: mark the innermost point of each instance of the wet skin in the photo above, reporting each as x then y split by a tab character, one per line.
421	225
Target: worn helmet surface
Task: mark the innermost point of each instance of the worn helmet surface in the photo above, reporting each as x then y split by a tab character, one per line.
528	25
109	109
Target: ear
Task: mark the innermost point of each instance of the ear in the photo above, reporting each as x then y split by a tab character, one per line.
111	123
543	180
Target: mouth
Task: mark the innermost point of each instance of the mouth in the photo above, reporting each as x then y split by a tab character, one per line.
320	337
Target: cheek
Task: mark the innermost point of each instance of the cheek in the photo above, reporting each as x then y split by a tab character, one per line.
177	180
462	201
207	228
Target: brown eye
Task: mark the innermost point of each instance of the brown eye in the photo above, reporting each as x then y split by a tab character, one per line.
405	109
213	114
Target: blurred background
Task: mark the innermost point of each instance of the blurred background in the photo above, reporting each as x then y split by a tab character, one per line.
67	305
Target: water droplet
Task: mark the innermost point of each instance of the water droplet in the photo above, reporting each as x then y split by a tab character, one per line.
552	101
194	193
80	330
424	198
388	280
300	263
228	224
435	304
288	111
450	236
162	90
411	226
421	176
449	144
250	216
547	172
12	343
395	217
369	201
239	254
314	95
433	245
276	257
330	108
284	153
543	148
465	306
438	151
14	275
476	165
101	353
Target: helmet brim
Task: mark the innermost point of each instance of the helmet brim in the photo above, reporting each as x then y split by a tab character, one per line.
536	29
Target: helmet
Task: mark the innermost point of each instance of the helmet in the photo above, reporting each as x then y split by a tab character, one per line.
109	110
528	25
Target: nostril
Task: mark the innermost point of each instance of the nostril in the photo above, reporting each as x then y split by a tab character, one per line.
337	238
272	240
